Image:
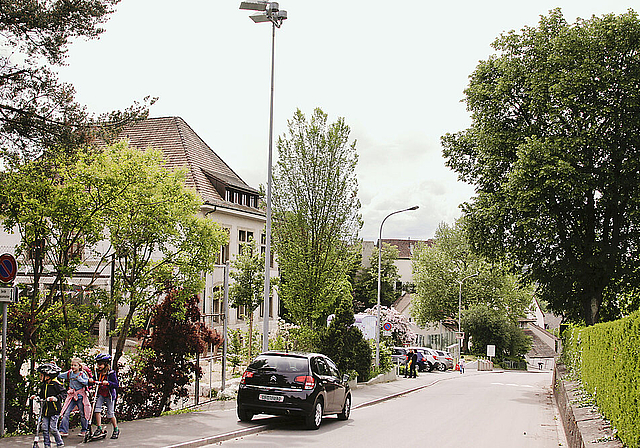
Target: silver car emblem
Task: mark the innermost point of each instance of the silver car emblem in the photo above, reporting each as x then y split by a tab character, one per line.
273	378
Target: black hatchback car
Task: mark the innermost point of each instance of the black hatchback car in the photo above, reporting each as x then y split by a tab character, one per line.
304	384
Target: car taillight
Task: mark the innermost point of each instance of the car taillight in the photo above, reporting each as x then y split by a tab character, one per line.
435	357
308	381
246	374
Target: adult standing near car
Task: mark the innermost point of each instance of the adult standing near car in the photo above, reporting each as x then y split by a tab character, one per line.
414	361
461	365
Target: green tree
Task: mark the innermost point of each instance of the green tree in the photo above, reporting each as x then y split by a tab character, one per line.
489	327
248	287
316	219
365	285
344	343
38	112
439	268
553	152
51	205
153	229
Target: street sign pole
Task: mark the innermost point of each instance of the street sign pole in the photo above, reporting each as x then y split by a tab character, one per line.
8	271
4	366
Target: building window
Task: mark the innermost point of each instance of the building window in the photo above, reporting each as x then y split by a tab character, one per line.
242	311
263	248
244	237
217	296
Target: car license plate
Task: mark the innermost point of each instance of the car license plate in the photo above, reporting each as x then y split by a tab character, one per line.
274	398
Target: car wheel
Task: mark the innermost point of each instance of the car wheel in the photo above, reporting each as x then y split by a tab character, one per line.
429	366
346	410
244	415
442	367
315	418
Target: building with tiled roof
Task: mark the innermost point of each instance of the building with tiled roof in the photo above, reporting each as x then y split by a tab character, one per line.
228	200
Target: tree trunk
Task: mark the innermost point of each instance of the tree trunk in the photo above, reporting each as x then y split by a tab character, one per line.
250	334
122	337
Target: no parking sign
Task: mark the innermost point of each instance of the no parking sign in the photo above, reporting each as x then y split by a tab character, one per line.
8	268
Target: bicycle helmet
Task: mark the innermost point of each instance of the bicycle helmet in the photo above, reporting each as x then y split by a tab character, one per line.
49	369
103	357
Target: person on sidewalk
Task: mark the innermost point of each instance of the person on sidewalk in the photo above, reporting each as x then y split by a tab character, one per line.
107	382
461	365
414	361
51	394
407	363
77	396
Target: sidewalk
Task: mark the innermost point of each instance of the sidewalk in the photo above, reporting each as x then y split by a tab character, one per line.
217	421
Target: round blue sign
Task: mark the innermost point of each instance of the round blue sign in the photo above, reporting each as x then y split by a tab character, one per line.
8	268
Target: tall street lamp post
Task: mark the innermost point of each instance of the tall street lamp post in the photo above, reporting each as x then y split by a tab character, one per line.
270	12
460	282
415	207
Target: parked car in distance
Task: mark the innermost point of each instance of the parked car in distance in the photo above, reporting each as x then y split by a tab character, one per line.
304	384
445	359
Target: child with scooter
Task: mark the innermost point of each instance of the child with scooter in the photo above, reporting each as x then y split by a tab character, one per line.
106	395
77	396
51	394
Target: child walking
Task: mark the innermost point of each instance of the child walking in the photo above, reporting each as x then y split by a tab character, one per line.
51	393
77	396
107	382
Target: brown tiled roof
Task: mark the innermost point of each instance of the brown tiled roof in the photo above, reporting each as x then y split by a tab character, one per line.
182	147
405	247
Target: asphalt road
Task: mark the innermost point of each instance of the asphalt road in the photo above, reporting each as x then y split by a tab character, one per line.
511	409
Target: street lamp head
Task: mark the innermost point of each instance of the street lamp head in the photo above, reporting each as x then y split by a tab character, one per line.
272	12
415	207
254	6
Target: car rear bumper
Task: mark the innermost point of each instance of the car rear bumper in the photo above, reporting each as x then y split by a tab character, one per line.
295	402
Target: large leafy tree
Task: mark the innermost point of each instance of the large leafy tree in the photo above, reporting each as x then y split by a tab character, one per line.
365	283
439	268
316	215
153	228
36	110
553	151
248	287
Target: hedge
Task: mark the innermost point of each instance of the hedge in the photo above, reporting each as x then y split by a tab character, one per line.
606	358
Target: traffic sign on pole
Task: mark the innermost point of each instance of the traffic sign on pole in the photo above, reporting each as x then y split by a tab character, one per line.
8	268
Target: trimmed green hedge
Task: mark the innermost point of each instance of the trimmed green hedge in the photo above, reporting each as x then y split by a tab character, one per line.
606	357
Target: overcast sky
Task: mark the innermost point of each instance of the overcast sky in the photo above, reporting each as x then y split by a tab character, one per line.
395	71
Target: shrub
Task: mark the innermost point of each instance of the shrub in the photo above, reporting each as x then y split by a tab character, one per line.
344	343
606	358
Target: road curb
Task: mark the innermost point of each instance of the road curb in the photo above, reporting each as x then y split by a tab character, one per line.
219	438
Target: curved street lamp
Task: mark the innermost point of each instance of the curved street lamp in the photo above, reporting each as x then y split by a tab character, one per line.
270	13
415	207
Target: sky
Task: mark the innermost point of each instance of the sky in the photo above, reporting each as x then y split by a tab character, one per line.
395	71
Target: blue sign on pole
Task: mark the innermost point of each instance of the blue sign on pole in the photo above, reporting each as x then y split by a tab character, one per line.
8	268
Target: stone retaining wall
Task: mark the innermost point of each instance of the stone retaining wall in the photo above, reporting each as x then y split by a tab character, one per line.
583	425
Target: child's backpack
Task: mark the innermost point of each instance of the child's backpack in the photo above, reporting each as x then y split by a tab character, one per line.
89	373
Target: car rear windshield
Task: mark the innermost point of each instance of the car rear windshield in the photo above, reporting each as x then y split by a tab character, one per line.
284	364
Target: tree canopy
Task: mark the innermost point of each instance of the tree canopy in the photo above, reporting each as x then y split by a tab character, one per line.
316	215
365	282
36	110
438	270
553	151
